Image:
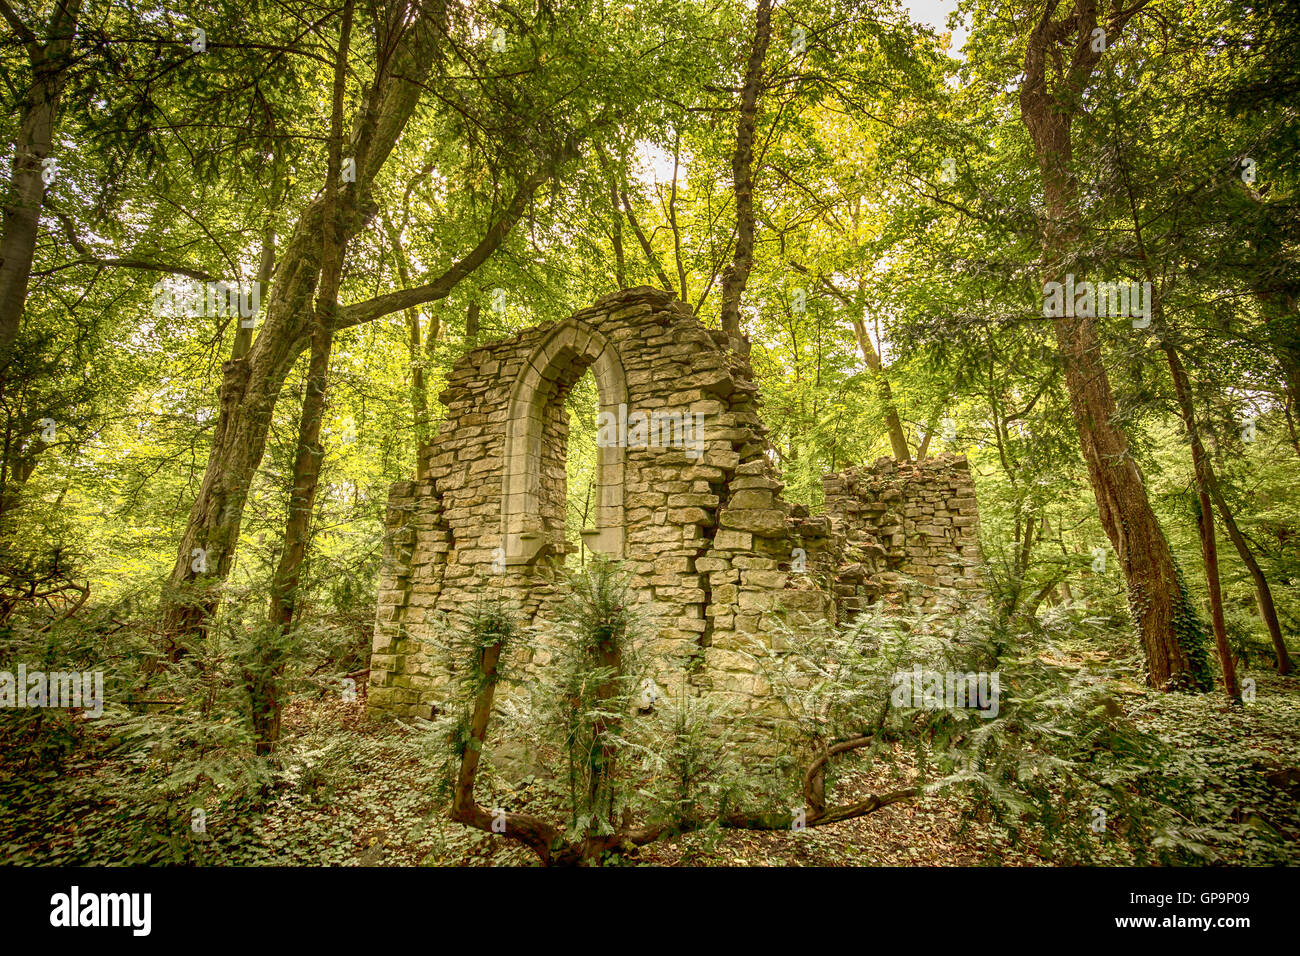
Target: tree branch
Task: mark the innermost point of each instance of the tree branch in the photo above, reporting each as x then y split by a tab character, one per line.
20	28
128	264
645	243
371	309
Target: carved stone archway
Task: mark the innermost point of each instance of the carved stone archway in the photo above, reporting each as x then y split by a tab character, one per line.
552	369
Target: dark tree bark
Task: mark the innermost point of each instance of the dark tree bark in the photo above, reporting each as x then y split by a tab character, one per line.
672	222
1207	485
644	242
1204	518
251	384
616	221
736	276
472	324
265	676
1263	594
1166	623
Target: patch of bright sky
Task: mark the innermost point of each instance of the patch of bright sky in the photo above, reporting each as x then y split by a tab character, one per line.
934	13
655	165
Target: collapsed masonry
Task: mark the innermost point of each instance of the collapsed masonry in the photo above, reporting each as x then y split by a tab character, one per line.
696	516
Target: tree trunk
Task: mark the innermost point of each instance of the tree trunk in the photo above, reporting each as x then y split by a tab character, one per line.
1263	595
414	342
923	449
897	437
1167	625
644	242
249	390
265	677
26	192
616	219
1206	481
251	384
736	276
616	236
1204	513
471	324
856	308
672	221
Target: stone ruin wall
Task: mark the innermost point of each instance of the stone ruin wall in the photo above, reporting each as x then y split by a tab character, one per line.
713	550
910	532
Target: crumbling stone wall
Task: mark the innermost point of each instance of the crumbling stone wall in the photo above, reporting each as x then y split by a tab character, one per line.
696	516
910	531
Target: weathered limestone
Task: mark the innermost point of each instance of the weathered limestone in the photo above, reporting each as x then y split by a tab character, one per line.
689	503
905	524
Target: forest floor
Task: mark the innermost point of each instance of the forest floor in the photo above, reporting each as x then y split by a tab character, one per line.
353	790
408	827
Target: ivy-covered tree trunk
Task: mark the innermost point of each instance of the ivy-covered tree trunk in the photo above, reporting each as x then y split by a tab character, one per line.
249	391
265	676
1204	519
251	383
1201	467
1171	633
736	276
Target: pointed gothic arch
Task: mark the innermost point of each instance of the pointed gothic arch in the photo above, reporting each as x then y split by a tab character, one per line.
562	357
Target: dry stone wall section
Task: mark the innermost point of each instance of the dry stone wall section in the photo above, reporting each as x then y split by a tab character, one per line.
909	532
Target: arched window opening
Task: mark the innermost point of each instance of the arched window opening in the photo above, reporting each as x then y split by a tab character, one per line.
535	491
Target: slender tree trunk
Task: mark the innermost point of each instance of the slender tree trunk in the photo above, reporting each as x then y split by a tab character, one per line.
644	242
616	224
1290	424
26	188
923	449
1203	469
736	276
471	324
17	463
414	343
616	218
265	677
1263	595
604	758
1204	515
856	308
897	436
672	222
535	833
